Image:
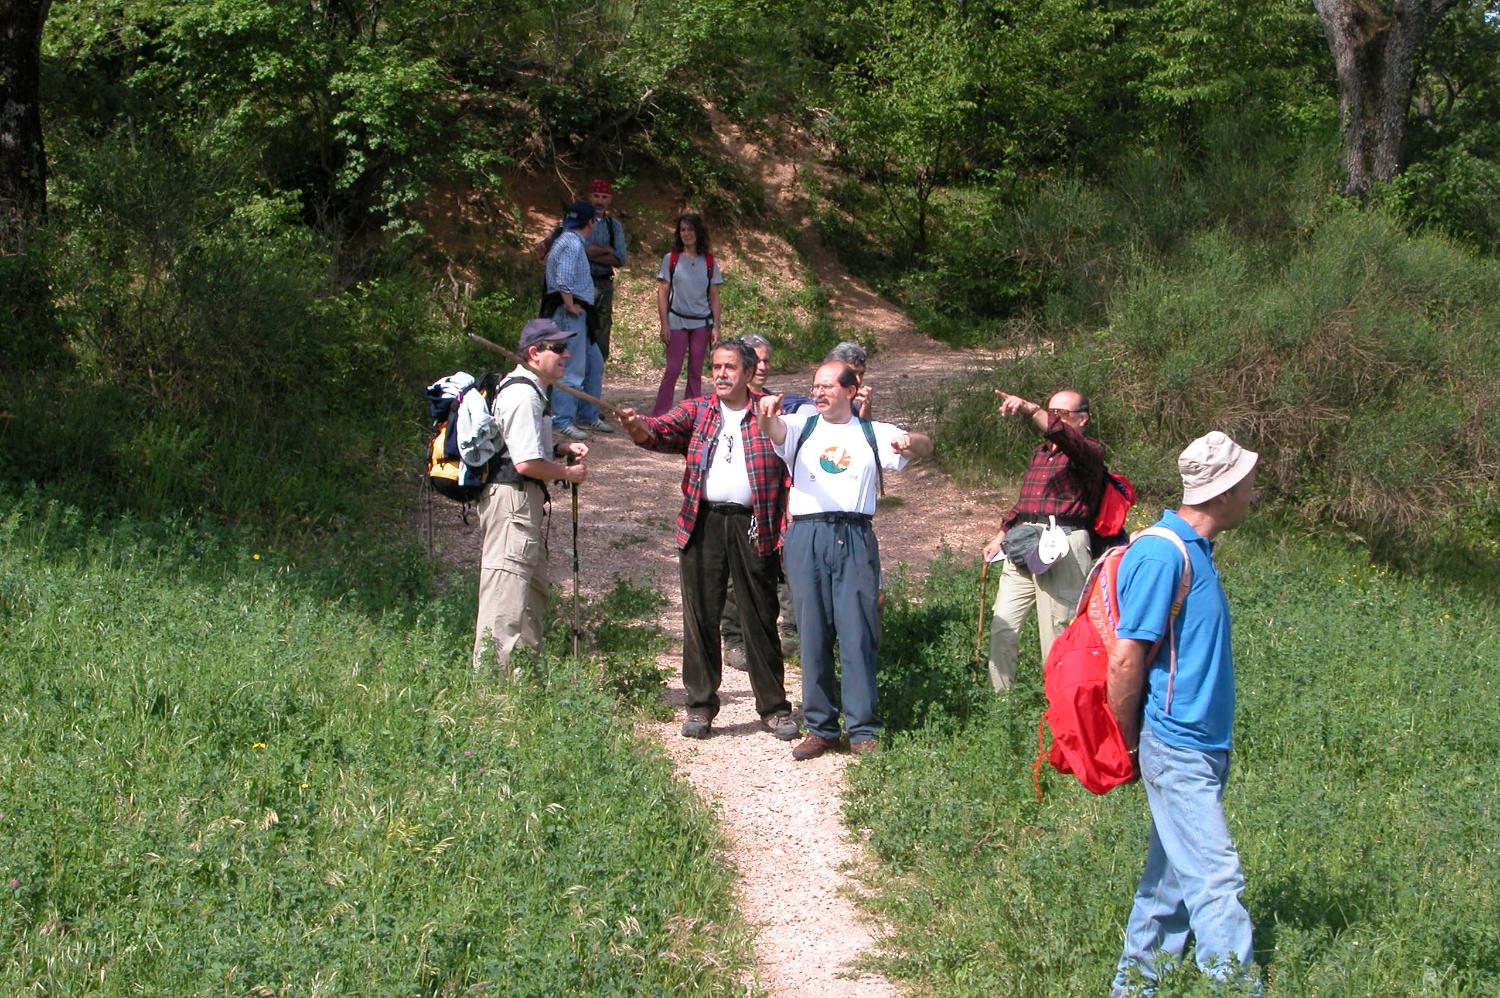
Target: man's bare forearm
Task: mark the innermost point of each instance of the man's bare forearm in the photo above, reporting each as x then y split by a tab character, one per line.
1126	686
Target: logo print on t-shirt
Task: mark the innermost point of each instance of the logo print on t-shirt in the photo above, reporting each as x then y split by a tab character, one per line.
834	460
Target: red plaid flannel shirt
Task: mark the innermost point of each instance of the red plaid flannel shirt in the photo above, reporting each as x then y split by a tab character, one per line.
692	428
1063	481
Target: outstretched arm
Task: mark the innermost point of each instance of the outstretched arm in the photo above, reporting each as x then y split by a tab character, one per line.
1015	405
768	416
917	446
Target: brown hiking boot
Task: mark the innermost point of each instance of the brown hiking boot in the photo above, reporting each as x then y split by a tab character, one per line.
813	746
865	746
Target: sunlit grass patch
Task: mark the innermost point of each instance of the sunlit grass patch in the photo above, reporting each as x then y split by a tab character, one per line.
1362	797
218	774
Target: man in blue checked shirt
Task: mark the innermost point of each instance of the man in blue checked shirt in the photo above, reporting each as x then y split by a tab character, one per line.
569	278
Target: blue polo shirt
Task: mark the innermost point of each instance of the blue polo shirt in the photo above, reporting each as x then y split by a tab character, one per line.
1201	715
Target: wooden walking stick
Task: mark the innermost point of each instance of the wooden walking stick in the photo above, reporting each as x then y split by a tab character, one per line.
585	396
984	573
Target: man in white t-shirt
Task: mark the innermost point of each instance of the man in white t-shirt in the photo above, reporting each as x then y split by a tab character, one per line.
734	500
831	556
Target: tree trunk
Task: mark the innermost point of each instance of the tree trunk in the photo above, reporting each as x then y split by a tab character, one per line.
1375	55
23	158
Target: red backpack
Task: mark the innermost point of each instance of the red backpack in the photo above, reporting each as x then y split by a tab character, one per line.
1114	503
1085	739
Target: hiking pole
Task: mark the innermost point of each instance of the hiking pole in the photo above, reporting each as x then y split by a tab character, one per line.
984	573
572	459
585	396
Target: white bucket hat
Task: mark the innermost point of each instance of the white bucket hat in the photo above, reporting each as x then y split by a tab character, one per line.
1050	547
1211	465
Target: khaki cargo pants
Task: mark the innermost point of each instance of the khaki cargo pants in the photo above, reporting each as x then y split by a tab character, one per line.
513	582
1054	593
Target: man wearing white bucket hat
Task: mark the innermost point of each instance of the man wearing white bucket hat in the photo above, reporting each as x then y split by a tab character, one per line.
1175	709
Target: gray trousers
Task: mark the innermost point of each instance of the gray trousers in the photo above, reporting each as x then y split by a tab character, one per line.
834	572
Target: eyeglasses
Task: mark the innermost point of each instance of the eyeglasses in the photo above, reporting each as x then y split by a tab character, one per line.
560	346
1067	412
729	450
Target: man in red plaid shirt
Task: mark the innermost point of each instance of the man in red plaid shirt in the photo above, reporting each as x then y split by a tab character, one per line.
1064	481
734	491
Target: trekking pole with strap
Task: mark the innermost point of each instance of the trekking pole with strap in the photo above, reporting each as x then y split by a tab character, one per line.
559	386
572	459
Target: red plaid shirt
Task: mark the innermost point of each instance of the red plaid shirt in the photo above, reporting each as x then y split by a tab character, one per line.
1064	480
692	428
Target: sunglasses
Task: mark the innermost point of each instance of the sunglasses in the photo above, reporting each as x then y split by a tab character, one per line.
1066	412
560	346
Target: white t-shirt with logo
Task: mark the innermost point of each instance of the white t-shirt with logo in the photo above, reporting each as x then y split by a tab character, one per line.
835	468
728	478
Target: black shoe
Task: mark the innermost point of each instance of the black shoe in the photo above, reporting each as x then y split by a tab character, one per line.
697	724
781	724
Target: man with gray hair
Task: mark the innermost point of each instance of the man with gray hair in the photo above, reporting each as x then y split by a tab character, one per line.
1171	690
734	489
729	623
858	359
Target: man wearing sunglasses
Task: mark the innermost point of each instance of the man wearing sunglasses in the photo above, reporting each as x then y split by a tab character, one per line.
513	583
1064	483
734	491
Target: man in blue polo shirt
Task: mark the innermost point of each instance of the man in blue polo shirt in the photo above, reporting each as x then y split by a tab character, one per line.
1181	734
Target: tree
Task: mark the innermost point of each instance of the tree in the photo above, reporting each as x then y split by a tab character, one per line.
23	158
1375	55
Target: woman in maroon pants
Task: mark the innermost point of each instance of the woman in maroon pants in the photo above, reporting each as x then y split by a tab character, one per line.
687	301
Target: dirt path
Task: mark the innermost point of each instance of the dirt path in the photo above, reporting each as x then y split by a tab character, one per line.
797	865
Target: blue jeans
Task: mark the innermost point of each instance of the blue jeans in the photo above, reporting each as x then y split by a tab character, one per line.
585	372
834	572
1192	881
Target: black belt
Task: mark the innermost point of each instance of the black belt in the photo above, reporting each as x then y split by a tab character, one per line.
834	518
729	508
1071	522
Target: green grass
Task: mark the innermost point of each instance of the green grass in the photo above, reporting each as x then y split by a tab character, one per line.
1362	797
232	769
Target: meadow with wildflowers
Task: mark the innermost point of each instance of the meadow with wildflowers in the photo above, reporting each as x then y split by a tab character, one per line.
1363	795
226	769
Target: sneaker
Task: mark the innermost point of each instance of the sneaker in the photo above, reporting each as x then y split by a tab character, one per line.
572	432
599	426
865	746
734	657
813	746
697	724
781	724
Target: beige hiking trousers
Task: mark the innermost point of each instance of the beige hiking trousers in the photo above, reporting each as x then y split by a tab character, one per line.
513	582
1055	595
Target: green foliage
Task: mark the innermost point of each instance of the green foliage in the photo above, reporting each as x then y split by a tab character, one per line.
224	770
929	678
1355	357
1360	800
